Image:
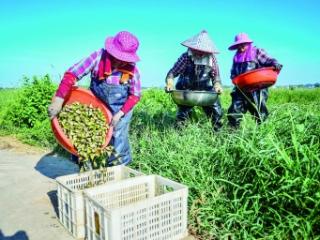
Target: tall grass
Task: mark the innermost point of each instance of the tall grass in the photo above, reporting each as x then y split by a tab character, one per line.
259	182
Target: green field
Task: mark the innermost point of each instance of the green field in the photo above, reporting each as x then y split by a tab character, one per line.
257	182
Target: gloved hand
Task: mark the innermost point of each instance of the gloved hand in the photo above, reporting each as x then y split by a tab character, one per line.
277	67
169	84
217	87
55	107
116	118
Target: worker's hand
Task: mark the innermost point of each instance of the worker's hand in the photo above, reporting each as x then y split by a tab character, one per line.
116	118
55	107
277	67
169	84
217	87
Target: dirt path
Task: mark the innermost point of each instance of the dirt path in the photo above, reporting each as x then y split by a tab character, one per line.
12	144
28	205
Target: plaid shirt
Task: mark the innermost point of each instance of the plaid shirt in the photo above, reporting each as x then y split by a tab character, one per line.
185	60
91	65
262	58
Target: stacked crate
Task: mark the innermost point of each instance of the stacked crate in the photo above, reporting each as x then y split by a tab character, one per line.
70	194
146	207
122	204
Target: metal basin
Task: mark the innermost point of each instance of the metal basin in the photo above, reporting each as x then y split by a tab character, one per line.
194	98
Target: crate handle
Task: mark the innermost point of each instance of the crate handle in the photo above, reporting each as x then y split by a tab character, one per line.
97	223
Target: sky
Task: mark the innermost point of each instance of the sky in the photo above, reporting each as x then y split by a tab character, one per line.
40	37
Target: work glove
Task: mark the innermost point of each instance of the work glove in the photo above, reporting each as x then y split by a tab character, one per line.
217	87
116	118
55	107
169	84
277	67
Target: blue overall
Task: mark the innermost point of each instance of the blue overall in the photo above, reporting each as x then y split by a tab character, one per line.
114	96
254	101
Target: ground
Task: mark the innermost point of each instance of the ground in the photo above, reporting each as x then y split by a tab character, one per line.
14	145
28	209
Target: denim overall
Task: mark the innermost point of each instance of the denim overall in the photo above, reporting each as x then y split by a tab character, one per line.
254	101
114	96
198	77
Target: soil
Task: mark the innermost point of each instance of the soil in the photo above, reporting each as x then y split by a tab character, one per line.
10	143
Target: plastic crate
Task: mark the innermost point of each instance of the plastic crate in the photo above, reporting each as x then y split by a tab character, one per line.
70	194
142	208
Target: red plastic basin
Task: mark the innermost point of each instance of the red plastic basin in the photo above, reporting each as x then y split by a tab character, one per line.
83	96
256	79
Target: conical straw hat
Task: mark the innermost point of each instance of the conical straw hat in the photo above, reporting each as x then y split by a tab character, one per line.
201	42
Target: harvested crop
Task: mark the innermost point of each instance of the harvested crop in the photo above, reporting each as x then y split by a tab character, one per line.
86	127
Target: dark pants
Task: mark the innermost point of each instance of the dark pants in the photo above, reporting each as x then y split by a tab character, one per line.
254	102
214	112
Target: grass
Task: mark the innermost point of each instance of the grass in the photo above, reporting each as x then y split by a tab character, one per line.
257	182
7	96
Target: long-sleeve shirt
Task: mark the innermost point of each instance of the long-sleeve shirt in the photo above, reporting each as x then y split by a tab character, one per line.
185	60
91	65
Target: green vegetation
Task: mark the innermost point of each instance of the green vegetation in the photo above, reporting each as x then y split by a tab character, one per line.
258	182
24	111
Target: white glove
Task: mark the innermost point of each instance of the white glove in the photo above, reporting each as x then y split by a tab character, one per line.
217	87
55	107
116	118
169	84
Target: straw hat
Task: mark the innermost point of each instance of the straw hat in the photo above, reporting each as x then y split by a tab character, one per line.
201	42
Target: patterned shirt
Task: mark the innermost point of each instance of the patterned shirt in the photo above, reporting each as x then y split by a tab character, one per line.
91	65
185	60
264	59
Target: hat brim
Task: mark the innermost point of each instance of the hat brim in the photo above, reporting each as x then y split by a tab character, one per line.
234	46
199	49
123	56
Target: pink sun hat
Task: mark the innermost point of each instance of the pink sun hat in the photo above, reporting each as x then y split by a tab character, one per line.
239	39
201	42
123	46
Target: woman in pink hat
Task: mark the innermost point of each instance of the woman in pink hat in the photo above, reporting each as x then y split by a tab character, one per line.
197	69
115	80
247	58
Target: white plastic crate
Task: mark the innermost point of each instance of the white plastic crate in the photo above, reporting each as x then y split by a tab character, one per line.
70	194
141	208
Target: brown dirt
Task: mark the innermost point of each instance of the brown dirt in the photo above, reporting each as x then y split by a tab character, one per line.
13	144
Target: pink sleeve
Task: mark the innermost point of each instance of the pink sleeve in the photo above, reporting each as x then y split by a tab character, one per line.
130	103
66	84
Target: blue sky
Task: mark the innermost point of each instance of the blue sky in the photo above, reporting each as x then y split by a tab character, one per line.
39	37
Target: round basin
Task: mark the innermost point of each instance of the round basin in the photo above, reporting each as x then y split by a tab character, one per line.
194	98
256	79
82	96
